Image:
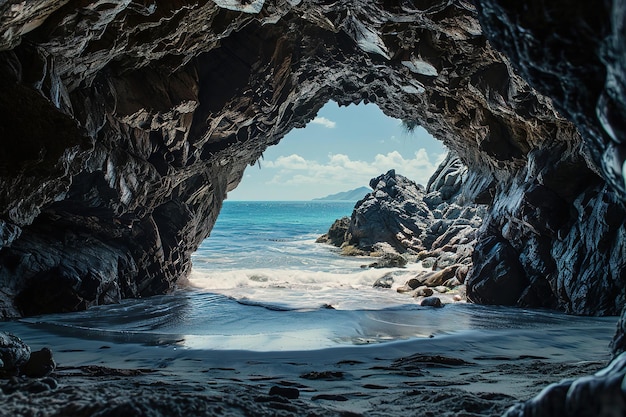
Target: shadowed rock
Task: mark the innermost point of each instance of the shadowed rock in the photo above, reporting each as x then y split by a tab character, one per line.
123	139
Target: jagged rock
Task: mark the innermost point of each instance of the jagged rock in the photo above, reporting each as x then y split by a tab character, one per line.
397	213
337	232
147	115
501	279
585	79
124	126
394	213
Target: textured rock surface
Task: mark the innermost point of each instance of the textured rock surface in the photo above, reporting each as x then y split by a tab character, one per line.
435	223
602	394
14	354
579	62
394	213
126	124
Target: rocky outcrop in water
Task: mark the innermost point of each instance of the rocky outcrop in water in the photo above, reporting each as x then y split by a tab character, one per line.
434	223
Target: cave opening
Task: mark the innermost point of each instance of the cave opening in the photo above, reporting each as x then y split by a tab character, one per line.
340	149
167	103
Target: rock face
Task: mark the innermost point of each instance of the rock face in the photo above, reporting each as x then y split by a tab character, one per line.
393	213
125	125
434	223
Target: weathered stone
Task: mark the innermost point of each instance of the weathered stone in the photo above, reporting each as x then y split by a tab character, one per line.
431	302
336	235
389	260
384	282
423	291
14	354
39	364
434	279
394	213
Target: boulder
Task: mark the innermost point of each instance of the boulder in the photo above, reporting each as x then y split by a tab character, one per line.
336	235
14	354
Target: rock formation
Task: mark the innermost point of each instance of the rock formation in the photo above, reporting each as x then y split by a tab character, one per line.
125	127
434	223
125	124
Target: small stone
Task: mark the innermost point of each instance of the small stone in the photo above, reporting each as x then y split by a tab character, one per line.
457	297
431	302
413	283
423	291
441	289
384	282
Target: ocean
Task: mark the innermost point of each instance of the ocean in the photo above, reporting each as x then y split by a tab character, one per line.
261	283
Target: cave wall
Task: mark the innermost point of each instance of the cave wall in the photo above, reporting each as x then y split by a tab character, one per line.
124	125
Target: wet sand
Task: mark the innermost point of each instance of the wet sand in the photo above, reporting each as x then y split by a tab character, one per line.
461	374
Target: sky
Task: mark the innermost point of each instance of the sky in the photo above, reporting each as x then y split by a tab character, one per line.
340	150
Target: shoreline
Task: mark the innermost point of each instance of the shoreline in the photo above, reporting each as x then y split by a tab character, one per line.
479	373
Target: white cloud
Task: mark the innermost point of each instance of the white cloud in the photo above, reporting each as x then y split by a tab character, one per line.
340	170
329	124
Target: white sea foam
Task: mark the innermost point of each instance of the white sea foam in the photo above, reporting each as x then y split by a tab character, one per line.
298	288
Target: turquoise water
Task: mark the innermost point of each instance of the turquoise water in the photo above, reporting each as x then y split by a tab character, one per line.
270	234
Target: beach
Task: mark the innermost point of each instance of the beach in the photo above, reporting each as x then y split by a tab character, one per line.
271	323
472	373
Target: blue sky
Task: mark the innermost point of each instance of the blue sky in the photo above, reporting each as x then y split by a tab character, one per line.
341	149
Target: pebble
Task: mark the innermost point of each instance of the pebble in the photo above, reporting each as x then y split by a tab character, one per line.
423	291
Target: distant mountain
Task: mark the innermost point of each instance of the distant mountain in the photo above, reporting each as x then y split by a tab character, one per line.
352	195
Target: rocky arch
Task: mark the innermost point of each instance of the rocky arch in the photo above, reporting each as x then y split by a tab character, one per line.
125	124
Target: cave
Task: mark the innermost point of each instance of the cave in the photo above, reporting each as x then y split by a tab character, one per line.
125	124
